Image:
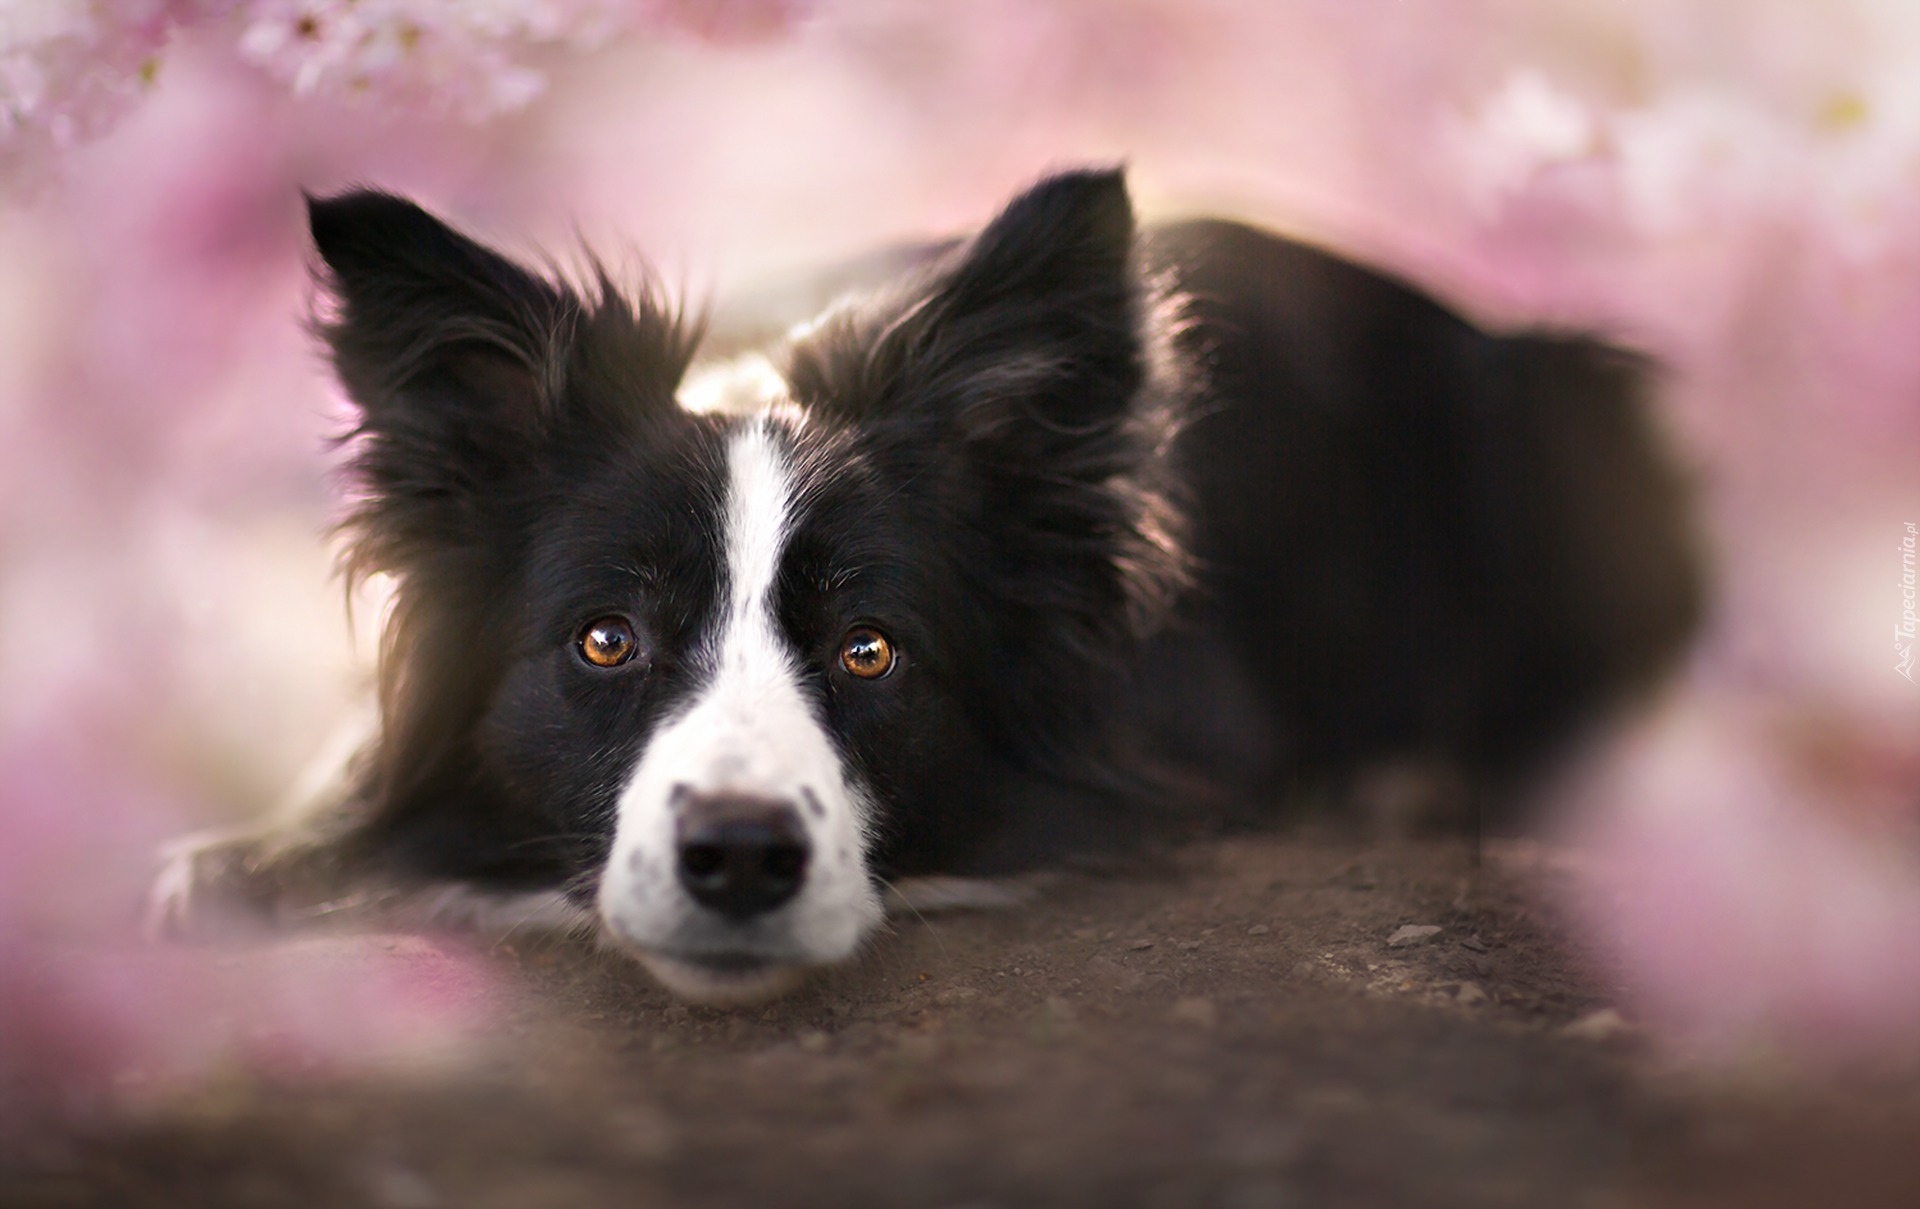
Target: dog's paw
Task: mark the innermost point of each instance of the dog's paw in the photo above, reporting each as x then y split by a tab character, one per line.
208	879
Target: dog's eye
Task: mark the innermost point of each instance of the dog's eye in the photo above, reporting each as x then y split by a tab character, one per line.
608	642
866	653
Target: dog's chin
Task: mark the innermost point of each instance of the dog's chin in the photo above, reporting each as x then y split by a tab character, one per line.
730	981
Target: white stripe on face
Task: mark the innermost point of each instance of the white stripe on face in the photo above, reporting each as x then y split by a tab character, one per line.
750	731
759	499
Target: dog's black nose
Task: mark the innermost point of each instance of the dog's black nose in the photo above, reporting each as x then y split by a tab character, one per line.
740	856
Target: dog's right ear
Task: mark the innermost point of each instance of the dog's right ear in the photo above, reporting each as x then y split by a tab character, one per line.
453	353
462	363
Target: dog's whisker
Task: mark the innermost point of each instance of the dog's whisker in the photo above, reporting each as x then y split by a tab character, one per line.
927	925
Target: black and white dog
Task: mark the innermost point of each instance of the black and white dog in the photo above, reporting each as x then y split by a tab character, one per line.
949	579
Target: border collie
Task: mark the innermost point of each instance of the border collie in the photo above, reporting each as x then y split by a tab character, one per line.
967	573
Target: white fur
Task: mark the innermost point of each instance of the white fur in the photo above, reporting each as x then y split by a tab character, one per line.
752	730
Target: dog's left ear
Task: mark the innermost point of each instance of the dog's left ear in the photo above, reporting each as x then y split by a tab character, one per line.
1046	301
1016	382
1037	317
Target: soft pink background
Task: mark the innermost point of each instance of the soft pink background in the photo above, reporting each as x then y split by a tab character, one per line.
1734	184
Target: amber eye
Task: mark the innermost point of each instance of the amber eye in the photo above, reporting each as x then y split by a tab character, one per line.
608	642
866	653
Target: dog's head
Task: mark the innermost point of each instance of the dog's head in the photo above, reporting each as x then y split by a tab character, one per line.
720	671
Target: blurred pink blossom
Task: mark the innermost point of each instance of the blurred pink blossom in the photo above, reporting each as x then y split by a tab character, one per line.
1734	184
71	69
1756	884
1717	203
468	58
90	1013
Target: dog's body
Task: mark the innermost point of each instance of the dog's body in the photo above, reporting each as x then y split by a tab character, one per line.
947	579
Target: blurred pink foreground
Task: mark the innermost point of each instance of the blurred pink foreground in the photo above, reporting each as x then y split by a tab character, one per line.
1734	184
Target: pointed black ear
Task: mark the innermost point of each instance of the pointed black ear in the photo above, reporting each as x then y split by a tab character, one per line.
1059	254
1037	317
1041	310
1013	385
433	333
455	357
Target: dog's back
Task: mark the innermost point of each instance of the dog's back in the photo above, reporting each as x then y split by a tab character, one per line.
1412	537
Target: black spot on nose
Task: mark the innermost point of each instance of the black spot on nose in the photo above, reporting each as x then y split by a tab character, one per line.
740	856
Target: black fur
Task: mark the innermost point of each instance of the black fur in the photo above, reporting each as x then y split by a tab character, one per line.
490	398
1418	538
1097	481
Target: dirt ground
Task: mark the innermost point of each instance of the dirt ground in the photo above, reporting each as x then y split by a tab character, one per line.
1228	1029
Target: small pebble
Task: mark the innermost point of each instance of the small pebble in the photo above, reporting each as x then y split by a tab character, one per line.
1258	930
1603	1025
1139	945
1475	944
1410	935
814	1042
1198	1012
1469	995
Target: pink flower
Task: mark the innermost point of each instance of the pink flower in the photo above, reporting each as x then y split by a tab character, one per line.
68	70
90	1013
71	69
467	59
1757	879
